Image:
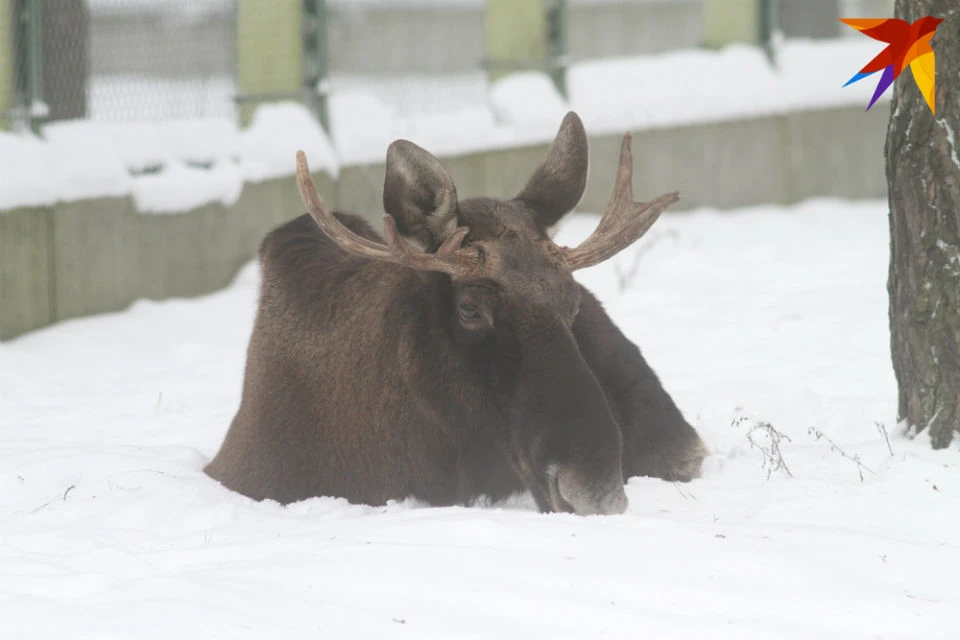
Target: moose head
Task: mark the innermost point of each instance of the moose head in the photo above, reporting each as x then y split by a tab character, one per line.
443	361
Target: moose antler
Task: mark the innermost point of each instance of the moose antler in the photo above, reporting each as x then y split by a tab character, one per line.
450	258
623	222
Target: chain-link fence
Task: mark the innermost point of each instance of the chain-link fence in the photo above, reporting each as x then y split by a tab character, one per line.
135	60
118	60
154	59
132	60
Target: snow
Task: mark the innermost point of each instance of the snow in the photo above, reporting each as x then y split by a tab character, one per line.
365	127
528	104
109	529
271	141
448	115
687	87
169	166
83	164
27	181
184	188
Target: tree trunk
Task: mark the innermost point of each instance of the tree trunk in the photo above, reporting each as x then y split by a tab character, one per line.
923	176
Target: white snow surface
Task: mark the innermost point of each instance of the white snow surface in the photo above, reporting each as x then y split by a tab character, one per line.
447	115
109	529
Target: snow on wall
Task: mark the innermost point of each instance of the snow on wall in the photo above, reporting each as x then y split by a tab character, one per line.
177	165
268	145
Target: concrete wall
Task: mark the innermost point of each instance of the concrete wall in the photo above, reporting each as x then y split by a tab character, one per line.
80	258
93	256
771	159
26	266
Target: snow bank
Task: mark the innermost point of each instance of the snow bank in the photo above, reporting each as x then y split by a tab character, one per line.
528	104
271	142
27	180
167	166
611	95
109	529
363	128
687	87
96	159
184	188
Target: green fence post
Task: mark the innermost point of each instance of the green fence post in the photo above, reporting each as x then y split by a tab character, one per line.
34	65
557	22
6	63
729	21
769	24
515	33
269	53
315	60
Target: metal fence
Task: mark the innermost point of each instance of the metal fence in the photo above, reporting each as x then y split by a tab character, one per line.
120	59
134	60
160	58
123	60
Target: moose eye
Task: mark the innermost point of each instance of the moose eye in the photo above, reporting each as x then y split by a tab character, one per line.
469	312
471	316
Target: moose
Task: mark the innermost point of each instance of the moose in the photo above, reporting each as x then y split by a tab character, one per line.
455	358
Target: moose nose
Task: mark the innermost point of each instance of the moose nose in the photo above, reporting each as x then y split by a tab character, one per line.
616	503
608	498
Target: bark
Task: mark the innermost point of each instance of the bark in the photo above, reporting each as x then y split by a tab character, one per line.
923	176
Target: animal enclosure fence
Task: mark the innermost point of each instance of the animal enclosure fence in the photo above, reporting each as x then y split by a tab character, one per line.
78	72
144	60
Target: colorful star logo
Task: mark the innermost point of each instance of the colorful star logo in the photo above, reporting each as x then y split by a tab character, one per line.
908	44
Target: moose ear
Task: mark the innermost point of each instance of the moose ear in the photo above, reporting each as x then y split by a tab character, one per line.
557	185
420	195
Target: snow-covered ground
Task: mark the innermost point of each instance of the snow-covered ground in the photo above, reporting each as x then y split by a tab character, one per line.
108	528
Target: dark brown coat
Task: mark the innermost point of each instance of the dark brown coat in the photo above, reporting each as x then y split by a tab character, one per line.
378	379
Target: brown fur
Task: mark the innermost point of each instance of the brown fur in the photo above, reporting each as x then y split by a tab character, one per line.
374	382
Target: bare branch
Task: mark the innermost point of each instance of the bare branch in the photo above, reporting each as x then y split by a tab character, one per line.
769	447
819	435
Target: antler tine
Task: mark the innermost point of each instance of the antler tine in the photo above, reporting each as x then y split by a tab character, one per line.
624	220
622	188
450	258
328	223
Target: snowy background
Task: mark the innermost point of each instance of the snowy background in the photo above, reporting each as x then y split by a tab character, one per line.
109	529
816	516
177	165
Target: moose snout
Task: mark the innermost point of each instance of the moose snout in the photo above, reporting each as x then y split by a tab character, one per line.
592	498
